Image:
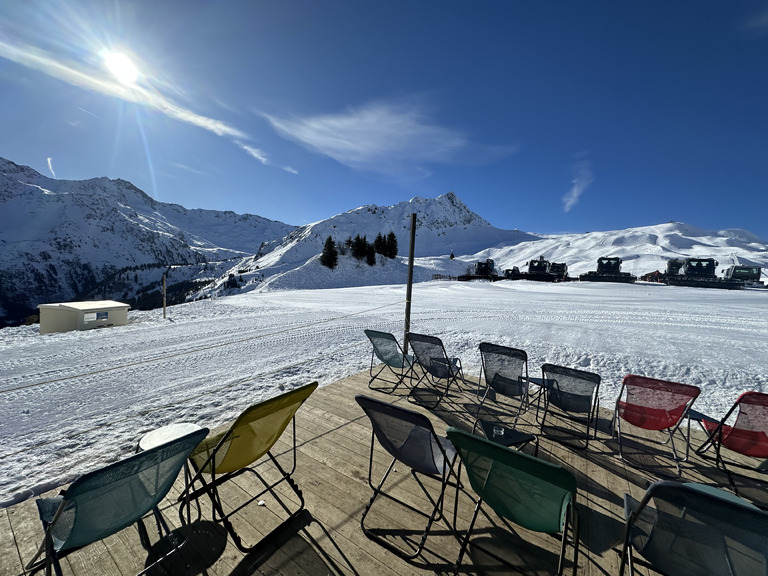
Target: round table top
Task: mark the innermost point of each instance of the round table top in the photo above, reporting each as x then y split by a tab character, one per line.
166	434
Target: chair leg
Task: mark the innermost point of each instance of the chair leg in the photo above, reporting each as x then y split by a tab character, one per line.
435	514
465	542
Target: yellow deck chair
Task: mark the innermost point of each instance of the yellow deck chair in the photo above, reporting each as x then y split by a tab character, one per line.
234	449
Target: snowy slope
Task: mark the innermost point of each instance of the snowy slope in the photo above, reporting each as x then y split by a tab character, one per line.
642	249
59	239
73	401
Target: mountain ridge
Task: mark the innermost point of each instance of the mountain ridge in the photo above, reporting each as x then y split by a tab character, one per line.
100	238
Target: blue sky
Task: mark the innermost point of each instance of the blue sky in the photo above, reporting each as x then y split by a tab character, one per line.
549	117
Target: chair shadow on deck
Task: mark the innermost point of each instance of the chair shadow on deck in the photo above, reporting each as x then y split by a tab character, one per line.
654	459
750	486
205	545
300	553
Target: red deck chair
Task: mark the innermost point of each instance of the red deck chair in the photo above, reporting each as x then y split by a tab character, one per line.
653	404
748	435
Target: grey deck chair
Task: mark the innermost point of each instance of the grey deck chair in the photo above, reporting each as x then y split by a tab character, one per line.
437	368
393	360
532	493
694	529
409	438
107	500
506	374
575	393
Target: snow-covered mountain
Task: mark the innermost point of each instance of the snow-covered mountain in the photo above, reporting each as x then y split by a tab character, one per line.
642	249
62	240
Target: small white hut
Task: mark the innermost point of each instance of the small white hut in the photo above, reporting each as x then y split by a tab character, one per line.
66	316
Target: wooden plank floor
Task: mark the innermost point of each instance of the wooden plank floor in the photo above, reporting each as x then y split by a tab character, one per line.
334	442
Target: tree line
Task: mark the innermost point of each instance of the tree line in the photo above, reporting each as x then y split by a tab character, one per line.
359	248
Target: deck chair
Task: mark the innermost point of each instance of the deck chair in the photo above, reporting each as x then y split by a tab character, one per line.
574	393
409	438
437	368
694	529
655	405
104	501
746	435
236	448
387	350
505	371
532	493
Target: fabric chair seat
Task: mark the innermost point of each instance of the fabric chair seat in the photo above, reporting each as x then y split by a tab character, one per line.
745	442
648	417
235	448
107	500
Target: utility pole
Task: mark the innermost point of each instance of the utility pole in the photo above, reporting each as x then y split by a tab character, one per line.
409	288
163	295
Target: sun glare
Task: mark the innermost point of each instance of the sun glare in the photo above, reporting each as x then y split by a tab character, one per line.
121	67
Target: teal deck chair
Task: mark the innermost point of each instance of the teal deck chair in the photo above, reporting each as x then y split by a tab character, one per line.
107	500
393	360
237	448
695	529
532	493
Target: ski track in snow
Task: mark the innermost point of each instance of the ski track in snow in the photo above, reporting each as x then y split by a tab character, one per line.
73	401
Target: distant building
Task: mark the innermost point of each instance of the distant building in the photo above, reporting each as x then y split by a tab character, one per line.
67	316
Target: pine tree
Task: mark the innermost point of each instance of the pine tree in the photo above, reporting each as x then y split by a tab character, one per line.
329	257
359	247
380	244
370	255
391	245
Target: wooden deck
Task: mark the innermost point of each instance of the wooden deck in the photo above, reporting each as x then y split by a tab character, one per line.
334	440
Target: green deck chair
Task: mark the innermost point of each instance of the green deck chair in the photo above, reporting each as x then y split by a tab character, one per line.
107	500
532	493
235	449
387	350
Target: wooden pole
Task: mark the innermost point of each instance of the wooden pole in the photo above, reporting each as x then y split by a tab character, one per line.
409	287
163	295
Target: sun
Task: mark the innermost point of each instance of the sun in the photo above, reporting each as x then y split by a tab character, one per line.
121	67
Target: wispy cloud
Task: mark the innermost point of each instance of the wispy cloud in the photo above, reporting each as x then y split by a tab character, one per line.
89	113
94	78
582	178
394	140
50	167
189	169
758	23
261	156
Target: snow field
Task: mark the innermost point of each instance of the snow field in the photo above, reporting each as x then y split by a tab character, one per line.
72	401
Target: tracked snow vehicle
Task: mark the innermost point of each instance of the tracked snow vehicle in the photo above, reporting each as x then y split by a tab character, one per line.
699	272
540	270
482	271
748	275
608	270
